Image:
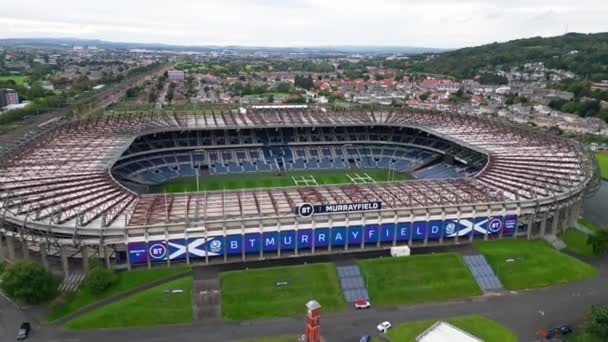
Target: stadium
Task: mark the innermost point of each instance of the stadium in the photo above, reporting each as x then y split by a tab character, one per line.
274	182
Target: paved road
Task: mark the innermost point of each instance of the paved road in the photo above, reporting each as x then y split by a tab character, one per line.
595	207
522	312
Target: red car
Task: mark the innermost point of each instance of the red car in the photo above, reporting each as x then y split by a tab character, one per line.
362	304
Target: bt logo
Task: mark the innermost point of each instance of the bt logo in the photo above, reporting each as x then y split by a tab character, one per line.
306	209
158	251
495	225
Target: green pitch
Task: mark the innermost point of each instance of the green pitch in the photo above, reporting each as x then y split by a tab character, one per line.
268	180
602	158
18	79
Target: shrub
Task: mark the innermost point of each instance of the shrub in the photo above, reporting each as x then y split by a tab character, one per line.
598	322
99	279
28	282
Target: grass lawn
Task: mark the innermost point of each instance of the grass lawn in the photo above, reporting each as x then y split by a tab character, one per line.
267	180
253	294
150	307
602	158
418	278
479	326
535	264
126	281
577	242
18	79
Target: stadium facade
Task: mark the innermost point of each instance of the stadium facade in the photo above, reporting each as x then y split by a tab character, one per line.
82	188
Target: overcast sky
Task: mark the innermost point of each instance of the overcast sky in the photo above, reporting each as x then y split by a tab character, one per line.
425	23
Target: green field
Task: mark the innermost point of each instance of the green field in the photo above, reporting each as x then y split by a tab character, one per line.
524	264
17	79
150	307
267	180
576	241
126	281
253	294
478	326
602	158
418	278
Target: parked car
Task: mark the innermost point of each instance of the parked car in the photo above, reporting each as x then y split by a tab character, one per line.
365	338
384	326
559	331
362	304
555	332
24	331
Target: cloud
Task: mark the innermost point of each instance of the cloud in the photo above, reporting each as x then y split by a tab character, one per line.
436	23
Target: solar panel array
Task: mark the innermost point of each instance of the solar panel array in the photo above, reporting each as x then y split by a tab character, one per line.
351	281
482	272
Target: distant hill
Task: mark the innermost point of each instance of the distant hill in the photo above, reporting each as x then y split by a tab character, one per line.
345	49
584	54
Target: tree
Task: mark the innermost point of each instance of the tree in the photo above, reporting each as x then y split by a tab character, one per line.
28	282
599	242
598	322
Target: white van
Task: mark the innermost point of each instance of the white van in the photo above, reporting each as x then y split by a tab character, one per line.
400	251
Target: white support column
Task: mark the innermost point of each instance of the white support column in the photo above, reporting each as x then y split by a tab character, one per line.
2	249
531	225
347	232
106	256
43	255
24	249
426	229
555	221
297	238
84	253
474	219
278	239
396	217
64	260
411	229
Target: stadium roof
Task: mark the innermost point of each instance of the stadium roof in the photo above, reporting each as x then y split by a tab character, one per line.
61	179
442	331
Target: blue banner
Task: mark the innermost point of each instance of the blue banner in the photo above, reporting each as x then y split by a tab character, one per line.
419	230
137	252
355	235
371	233
177	249
495	224
157	250
510	225
387	232
322	237
305	238
338	236
288	240
252	243
403	231
234	244
435	229
270	241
